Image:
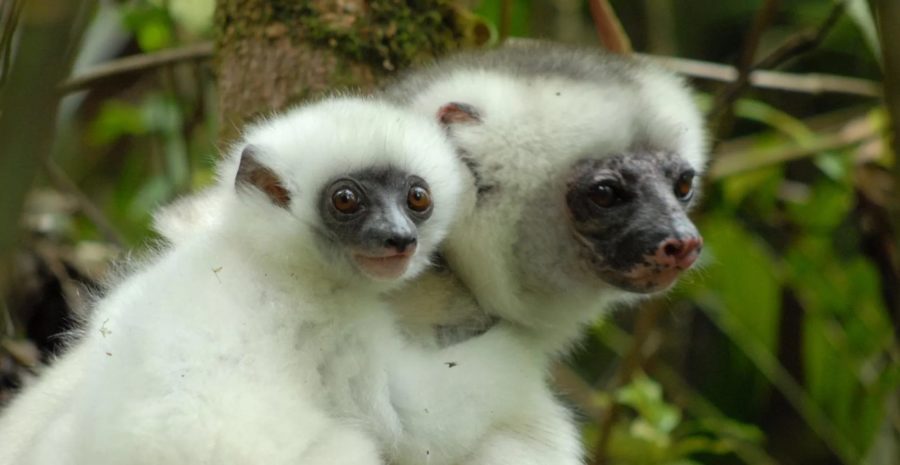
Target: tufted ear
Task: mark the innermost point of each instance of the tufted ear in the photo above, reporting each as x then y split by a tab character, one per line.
455	112
252	173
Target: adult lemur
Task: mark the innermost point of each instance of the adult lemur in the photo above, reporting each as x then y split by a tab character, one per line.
585	166
232	346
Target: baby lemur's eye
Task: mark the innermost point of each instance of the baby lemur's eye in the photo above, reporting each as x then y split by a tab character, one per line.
605	194
346	200
684	186
418	199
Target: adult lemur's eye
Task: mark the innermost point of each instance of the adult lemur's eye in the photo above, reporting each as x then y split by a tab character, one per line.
604	194
418	199
684	186
346	200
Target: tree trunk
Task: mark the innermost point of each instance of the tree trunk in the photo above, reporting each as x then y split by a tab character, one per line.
274	53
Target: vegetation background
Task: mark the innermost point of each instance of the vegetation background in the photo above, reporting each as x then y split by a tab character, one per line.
781	349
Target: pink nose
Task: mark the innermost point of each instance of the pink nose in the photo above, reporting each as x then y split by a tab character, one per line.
682	253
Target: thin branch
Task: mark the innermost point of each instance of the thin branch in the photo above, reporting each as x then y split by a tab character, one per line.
689	399
24	352
15	8
761	22
810	83
62	182
637	355
731	163
889	34
793	46
609	29
811	413
876	242
577	390
659	24
505	19
51	259
674	385
7	325
136	63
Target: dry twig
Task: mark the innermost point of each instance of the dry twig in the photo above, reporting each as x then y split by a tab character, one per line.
136	63
808	83
730	163
12	10
577	390
62	182
793	46
50	257
889	35
639	352
505	19
609	29
761	22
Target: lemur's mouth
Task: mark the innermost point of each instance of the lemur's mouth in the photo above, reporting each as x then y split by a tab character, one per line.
384	266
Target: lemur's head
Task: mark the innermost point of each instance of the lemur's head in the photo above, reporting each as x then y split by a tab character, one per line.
358	185
585	165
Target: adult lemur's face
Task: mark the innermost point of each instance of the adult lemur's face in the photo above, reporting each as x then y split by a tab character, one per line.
628	212
373	215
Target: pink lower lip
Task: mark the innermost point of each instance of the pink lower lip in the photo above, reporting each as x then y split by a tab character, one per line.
383	266
382	257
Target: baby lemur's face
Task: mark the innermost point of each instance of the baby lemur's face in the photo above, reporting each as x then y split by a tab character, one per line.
374	215
361	189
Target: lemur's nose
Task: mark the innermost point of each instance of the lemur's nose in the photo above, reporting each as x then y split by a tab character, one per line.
400	243
680	252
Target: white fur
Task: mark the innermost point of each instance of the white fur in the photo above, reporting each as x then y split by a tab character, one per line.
515	252
514	256
239	344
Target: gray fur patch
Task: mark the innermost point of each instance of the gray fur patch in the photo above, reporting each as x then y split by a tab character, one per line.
383	215
526	60
646	211
448	335
482	186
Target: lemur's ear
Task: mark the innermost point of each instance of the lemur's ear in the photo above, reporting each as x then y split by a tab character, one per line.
455	112
252	173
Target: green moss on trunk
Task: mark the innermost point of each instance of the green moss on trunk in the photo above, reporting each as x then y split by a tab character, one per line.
273	53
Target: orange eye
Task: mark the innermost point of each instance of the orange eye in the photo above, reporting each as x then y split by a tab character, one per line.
346	201
418	199
684	187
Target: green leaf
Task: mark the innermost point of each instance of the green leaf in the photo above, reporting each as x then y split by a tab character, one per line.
827	207
645	396
756	110
151	25
195	15
115	120
742	280
861	14
520	15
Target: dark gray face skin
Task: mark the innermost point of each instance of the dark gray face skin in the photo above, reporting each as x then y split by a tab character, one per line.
630	212
385	219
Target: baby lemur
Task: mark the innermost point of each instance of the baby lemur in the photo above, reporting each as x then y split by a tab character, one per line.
233	346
